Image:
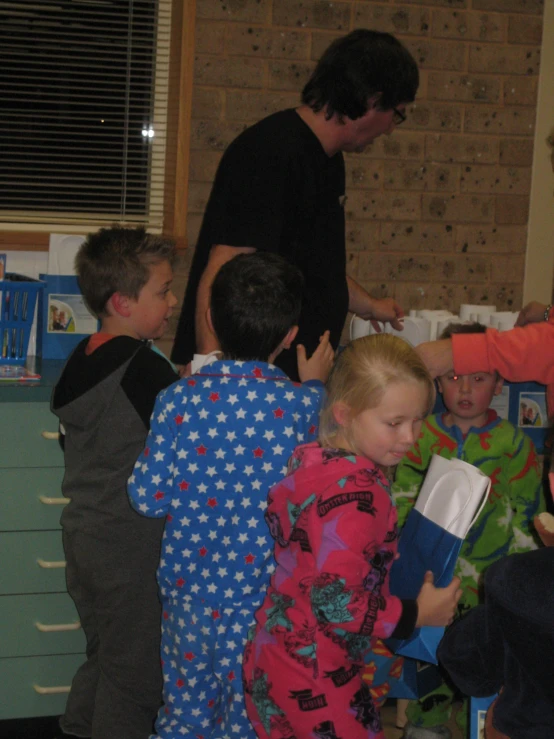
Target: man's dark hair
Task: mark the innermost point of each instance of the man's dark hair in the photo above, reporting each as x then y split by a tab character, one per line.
256	298
463	328
357	67
118	260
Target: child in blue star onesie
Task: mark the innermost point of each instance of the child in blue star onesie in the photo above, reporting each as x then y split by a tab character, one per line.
218	441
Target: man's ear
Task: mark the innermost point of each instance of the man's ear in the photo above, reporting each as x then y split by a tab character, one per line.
342	413
439	384
499	384
119	305
290	337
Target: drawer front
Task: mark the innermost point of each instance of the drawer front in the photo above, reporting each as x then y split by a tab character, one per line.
40	624
25	445
24	681
21	571
31	499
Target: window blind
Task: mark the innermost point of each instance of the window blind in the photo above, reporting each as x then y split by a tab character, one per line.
83	95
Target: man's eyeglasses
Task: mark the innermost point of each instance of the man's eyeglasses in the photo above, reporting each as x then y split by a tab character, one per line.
398	116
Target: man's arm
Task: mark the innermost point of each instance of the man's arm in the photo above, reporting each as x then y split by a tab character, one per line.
219	255
363	305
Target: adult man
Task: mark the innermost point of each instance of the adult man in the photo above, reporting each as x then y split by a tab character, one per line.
280	187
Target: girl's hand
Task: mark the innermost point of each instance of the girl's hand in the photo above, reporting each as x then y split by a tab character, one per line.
319	365
437	606
544	525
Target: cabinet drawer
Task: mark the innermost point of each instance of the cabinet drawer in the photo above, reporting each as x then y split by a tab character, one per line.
31	499
23	677
40	624
21	571
25	445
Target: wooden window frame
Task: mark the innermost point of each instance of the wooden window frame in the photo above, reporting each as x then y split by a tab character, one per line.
183	18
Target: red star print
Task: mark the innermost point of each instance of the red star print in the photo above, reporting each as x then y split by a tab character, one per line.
278	413
313	429
179	420
166	615
201	450
188	656
169	518
249	559
211	703
212	502
257	372
216	614
191	382
258	452
180	582
146	451
158	495
214	397
202	551
231	675
180	683
183	485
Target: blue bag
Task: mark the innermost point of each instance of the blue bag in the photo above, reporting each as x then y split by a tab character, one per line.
478	708
416	680
449	502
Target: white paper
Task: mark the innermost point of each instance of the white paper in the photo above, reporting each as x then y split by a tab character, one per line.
61	253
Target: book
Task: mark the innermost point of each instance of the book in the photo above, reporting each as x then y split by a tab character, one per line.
17	373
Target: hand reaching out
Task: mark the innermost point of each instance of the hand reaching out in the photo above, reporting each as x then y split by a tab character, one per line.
437	606
318	366
533	312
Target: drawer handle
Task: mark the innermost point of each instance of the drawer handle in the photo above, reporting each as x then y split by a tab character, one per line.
47	628
45	564
50	435
53	690
53	501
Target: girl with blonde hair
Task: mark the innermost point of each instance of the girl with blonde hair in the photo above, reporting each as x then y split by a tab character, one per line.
334	525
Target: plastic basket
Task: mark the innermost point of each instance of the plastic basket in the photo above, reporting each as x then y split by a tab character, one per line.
18	298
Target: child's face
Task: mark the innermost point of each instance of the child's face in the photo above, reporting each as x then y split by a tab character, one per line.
150	312
468	397
385	433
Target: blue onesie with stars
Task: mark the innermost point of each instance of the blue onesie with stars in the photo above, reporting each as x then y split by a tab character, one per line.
218	441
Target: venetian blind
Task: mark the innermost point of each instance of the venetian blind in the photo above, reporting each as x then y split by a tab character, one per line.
83	95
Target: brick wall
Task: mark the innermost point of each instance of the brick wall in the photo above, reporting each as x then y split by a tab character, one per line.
436	213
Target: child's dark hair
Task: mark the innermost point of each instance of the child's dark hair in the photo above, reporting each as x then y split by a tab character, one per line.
462	328
118	260
256	298
358	67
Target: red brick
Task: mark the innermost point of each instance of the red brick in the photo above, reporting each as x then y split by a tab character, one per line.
253	106
214	135
234	72
203	165
199	192
469	26
516	151
395	19
289	75
459	268
209	37
493	239
401	145
456	148
495	178
382	205
510	6
427	295
432	116
392	267
448	55
207	103
462	87
416	237
247	11
267	43
458	208
312	14
525	29
362	172
520	91
442	3
504	59
512	209
508	121
422	177
362	235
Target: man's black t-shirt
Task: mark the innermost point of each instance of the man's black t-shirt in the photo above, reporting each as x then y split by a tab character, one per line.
277	190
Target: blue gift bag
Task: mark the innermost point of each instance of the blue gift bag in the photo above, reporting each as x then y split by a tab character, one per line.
449	502
416	680
478	708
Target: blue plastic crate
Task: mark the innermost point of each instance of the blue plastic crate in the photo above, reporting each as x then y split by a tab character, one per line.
18	298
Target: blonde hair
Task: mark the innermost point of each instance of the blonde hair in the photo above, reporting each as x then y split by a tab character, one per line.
363	372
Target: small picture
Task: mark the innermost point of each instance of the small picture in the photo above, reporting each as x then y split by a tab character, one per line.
481	724
68	314
532	410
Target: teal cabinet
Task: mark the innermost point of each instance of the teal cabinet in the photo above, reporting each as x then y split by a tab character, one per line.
41	640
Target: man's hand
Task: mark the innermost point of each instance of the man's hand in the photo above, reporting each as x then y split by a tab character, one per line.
532	313
544	526
319	365
437	355
437	606
184	370
385	309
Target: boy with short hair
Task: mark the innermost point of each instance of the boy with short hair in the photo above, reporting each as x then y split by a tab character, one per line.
104	399
218	441
472	431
